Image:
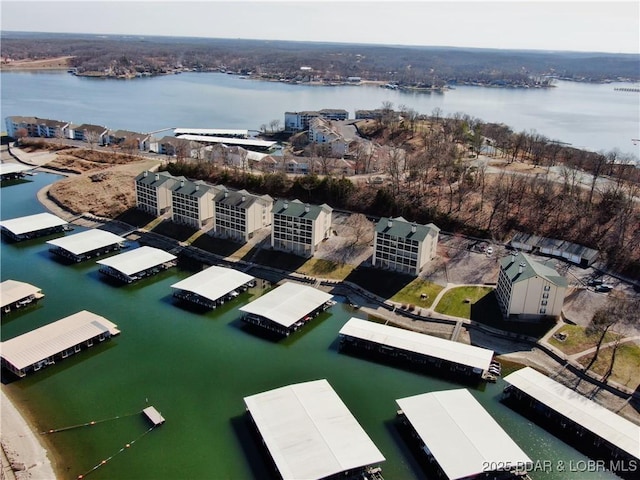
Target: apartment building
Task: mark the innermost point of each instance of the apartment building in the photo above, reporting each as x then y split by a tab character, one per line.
240	214
299	121
36	127
299	228
192	202
94	134
404	246
154	192
529	290
337	134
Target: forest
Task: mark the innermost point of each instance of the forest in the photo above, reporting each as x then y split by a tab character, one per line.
402	65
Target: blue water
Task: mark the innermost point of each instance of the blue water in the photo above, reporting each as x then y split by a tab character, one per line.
594	117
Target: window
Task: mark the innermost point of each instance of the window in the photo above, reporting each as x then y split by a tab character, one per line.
543	311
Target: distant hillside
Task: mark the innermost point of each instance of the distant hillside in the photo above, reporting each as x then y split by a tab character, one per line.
426	66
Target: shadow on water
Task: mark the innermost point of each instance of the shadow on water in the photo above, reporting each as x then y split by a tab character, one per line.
249	440
414	457
13	182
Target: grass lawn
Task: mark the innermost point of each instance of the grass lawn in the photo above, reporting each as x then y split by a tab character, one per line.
625	368
411	294
458	301
577	339
317	267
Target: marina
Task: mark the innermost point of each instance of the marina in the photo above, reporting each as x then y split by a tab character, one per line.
459	437
43	346
425	353
310	433
33	226
12	171
136	264
287	308
213	286
85	245
17	295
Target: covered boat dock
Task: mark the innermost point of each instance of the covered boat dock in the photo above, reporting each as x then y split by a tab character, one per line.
248	143
310	433
212	132
286	308
33	226
213	286
15	294
41	347
10	171
459	437
84	245
136	264
414	349
592	428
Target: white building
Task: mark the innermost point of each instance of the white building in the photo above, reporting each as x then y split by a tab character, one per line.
36	127
299	121
529	290
192	202
239	214
153	192
338	135
299	228
404	246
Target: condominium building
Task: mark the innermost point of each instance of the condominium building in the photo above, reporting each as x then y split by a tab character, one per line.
404	246
192	202
299	121
239	214
153	192
36	127
529	290
298	227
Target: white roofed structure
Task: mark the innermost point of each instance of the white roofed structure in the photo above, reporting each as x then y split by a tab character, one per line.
211	285
286	306
603	423
80	246
43	346
310	433
472	358
460	434
214	132
8	170
32	226
137	263
243	142
14	293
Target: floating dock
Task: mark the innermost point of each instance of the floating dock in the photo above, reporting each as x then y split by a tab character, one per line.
136	264
154	416
85	245
15	294
213	286
33	226
10	171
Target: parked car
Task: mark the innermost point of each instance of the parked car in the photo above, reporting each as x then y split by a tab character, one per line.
593	282
604	288
489	250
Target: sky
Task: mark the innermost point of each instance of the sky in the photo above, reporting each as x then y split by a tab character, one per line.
570	25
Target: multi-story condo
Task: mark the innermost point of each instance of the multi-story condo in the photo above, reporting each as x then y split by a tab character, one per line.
91	134
298	121
36	127
239	214
153	192
125	138
298	227
192	202
404	246
529	290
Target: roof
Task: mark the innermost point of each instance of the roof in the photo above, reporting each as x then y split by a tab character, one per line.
239	199
296	208
86	241
8	168
217	132
156	179
192	189
511	265
421	343
288	303
12	290
213	282
595	418
93	128
403	229
32	223
310	432
137	260
229	140
461	435
54	338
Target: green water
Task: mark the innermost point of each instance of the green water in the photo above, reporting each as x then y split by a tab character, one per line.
195	369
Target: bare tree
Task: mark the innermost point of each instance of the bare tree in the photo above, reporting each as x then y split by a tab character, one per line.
21	134
361	230
92	138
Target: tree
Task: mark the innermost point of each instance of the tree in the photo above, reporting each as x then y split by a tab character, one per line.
92	138
361	230
21	134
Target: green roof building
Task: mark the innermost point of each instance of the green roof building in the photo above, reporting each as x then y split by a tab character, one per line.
298	227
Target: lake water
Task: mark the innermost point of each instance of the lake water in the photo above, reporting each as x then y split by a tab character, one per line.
196	369
594	117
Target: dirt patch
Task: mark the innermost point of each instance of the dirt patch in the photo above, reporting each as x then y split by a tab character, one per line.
56	63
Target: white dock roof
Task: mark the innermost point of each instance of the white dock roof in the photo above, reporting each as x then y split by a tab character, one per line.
287	303
12	290
213	282
54	338
460	433
218	132
244	142
86	241
32	223
595	418
310	432
8	168
137	260
421	343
